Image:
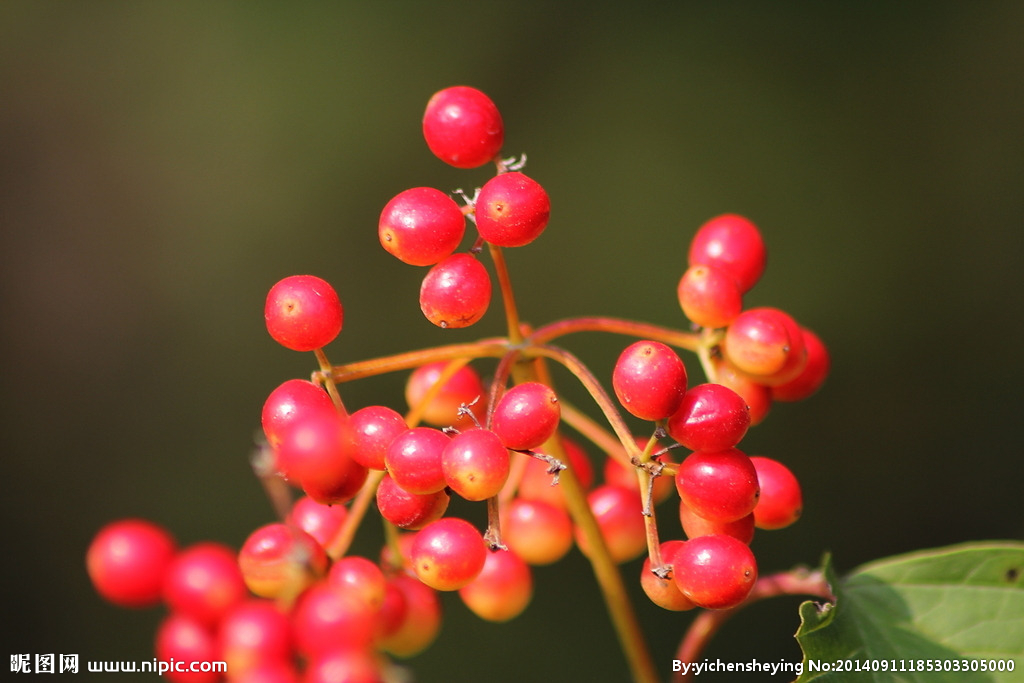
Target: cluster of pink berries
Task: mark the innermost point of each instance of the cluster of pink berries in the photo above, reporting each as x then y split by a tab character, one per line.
293	605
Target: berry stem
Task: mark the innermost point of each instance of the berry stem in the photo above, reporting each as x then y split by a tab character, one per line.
338	546
709	340
515	335
493	534
646	483
328	380
277	490
799	581
631	328
594	432
485	348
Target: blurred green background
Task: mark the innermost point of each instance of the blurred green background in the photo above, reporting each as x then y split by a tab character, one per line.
162	164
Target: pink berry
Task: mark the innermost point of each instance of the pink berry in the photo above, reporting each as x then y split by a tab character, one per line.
512	210
766	344
463	127
618	512
475	464
406	510
502	589
711	417
322	522
204	582
694	525
414	460
182	638
539	532
279	559
463	388
781	501
526	416
317	455
303	313
327	618
813	375
709	297
664	592
715	572
289	403
373	429
359	577
128	560
720	486
536	480
649	380
414	610
757	396
456	292
733	244
448	554
253	634
421	226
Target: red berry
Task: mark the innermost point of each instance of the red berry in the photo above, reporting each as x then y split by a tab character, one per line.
757	396
664	592
414	610
421	226
709	297
204	582
618	512
535	483
526	416
406	510
322	522
765	343
715	572
502	589
414	460
463	127
278	559
649	380
448	554
327	618
128	560
345	665
254	633
475	464
373	429
512	210
720	486
456	292
781	501
537	531
733	244
359	577
182	640
813	375
303	313
463	388
317	455
711	417
289	403
694	525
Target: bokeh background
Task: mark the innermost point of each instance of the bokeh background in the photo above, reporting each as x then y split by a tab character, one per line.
162	164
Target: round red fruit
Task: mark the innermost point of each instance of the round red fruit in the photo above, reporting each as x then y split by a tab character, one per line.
618	512
421	226
475	464
649	380
128	560
720	486
373	429
502	589
765	343
813	375
781	501
414	460
448	554
709	297
539	532
456	292
664	592
406	510
463	127
711	417
289	403
204	582
512	210
463	388
303	313
526	416
715	572
733	244
278	559
182	638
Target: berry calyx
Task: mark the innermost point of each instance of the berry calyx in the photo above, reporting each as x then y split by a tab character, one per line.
303	313
526	416
456	292
649	380
715	572
447	554
732	244
421	226
512	210
127	561
720	486
463	127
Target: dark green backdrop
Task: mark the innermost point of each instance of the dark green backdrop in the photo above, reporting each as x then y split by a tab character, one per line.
162	164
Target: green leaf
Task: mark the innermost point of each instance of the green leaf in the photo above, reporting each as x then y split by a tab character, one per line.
963	604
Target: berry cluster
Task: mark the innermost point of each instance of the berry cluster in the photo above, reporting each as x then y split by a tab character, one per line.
293	604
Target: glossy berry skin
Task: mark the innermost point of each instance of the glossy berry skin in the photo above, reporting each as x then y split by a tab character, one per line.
732	244
204	582
766	344
317	455
694	525
502	589
128	560
715	572
322	522
720	486
757	396
290	402
649	380
475	464
303	313
512	210
280	559
813	374
328	618
373	428
447	554
709	297
414	612
537	531
359	577
421	226
781	502
526	416
414	460
617	511
406	510
456	292
253	634
711	417
185	640
664	592
463	127
463	388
